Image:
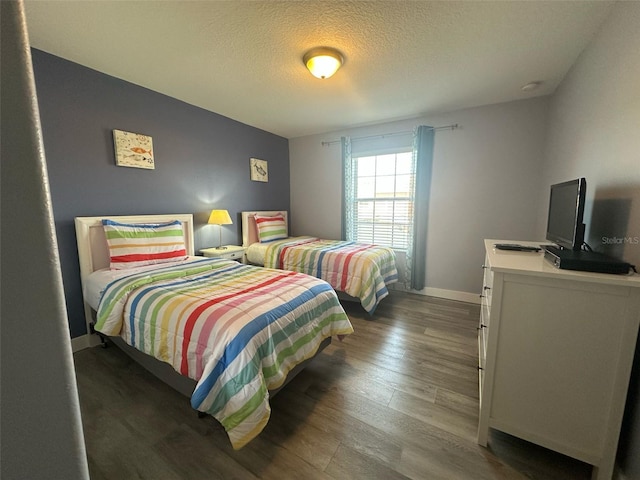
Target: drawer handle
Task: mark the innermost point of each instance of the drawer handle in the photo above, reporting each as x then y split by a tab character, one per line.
486	288
480	368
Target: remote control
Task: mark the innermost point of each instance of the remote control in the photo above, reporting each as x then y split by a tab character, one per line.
516	247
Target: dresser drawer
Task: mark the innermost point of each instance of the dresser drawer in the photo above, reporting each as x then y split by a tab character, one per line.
485	320
487	284
234	255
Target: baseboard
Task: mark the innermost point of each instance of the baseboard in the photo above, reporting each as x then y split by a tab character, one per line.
79	343
84	341
449	294
440	293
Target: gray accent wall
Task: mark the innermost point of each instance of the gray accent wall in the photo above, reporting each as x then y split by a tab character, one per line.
201	160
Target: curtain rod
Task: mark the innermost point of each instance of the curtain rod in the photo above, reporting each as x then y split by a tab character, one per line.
382	135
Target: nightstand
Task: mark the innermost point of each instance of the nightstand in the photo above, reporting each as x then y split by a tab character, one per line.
230	252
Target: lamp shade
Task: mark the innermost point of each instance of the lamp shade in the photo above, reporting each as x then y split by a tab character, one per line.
220	217
323	62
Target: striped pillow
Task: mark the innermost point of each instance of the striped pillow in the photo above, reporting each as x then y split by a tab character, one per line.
271	228
135	245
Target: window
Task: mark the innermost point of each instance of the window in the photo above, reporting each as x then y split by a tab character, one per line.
382	199
386	189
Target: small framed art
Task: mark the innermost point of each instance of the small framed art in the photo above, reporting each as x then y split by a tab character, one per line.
259	170
133	150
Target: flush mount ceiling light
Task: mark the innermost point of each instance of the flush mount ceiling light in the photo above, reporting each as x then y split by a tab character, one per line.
323	62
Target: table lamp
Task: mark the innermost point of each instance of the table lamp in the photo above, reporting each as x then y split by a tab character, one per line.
220	217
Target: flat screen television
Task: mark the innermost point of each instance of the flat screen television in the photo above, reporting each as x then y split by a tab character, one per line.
565	225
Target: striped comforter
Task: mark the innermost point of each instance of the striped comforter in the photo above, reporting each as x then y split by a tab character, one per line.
235	329
360	270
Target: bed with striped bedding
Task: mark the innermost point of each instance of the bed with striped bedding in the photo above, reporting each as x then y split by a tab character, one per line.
235	329
360	270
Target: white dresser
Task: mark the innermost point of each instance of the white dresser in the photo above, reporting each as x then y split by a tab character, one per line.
555	354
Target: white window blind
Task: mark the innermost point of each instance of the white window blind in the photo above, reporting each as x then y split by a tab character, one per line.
383	198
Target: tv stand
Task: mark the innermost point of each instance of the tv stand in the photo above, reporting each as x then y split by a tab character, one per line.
555	349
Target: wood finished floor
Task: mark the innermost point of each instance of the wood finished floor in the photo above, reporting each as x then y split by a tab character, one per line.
397	399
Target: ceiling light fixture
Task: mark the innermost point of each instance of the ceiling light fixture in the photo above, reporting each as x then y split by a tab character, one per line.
323	62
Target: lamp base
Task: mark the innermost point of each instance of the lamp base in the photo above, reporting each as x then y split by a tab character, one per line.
220	247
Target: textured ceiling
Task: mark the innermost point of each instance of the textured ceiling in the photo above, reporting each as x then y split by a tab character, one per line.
243	59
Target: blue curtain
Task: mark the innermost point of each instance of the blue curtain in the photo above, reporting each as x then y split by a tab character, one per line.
347	189
423	160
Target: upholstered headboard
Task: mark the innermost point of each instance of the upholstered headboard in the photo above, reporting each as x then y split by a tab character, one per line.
249	228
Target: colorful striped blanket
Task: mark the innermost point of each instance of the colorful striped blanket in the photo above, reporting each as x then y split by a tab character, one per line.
358	269
235	329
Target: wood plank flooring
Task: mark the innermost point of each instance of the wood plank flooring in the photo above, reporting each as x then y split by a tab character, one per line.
397	399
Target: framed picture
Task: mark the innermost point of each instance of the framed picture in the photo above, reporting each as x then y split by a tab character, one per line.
133	150
259	170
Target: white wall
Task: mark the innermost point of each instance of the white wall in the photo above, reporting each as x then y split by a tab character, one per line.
41	426
594	133
486	184
594	125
